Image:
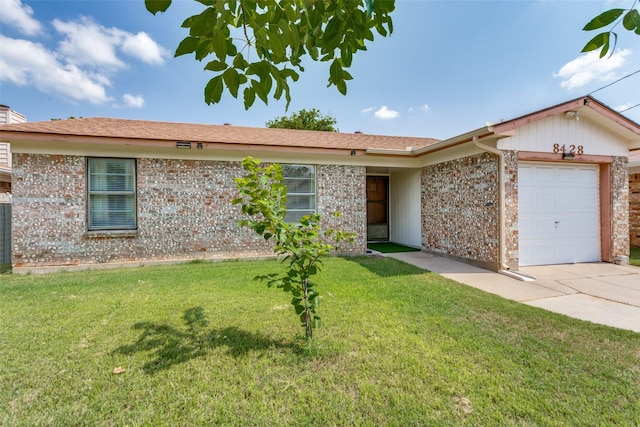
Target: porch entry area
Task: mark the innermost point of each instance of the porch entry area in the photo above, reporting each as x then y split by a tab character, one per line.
394	206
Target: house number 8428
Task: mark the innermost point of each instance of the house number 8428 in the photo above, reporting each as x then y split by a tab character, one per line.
557	148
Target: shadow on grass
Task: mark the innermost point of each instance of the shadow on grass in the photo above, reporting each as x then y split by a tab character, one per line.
171	346
386	267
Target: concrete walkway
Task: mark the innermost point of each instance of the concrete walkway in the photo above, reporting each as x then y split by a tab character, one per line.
602	293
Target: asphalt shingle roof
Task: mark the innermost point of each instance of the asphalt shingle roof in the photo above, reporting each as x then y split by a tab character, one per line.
227	134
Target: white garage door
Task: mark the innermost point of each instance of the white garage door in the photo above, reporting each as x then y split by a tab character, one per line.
558	213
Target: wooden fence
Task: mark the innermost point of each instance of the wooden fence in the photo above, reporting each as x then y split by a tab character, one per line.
5	237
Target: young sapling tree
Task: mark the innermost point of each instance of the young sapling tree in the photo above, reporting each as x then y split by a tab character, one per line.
263	197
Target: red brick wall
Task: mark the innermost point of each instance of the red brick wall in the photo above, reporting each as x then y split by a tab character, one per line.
460	209
184	212
343	189
634	209
619	209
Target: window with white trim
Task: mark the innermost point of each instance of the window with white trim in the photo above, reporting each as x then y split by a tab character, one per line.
111	194
301	190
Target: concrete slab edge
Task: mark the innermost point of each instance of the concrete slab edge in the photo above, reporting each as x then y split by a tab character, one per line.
517	275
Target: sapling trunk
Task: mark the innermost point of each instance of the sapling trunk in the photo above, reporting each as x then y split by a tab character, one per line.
307	310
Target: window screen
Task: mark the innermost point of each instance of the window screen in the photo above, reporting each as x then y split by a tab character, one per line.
301	190
111	194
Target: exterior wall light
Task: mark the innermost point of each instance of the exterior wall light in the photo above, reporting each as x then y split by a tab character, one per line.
568	156
572	115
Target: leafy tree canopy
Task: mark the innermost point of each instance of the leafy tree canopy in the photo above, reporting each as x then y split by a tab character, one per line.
305	120
258	46
606	40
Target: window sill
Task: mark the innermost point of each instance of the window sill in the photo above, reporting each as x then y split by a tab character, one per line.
110	234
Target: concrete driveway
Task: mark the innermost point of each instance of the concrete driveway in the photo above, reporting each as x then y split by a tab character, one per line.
602	293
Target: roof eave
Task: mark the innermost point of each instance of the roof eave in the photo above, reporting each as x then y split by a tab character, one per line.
482	132
616	122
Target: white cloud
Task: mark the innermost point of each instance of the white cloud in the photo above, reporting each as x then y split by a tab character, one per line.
26	63
18	15
423	107
143	47
368	110
83	63
623	107
87	43
384	113
133	101
589	67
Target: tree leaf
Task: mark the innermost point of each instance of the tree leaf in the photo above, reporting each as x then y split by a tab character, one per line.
215	65
249	97
631	20
260	90
605	18
232	81
155	6
239	62
342	87
335	72
596	42
186	46
332	34
213	90
219	45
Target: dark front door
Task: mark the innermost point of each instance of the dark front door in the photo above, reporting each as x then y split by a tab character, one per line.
377	208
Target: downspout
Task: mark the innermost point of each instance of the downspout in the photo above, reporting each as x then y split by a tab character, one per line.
504	268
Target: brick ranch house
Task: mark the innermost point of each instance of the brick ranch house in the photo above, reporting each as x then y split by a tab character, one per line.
549	187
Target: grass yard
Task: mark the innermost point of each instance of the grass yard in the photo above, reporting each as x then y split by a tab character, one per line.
634	258
203	344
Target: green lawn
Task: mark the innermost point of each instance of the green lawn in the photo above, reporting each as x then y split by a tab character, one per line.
203	344
634	259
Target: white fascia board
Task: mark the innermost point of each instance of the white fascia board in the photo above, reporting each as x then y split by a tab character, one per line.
337	157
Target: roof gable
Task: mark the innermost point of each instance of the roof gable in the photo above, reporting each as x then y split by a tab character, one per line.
587	106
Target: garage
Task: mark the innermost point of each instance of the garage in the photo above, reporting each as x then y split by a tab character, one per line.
558	213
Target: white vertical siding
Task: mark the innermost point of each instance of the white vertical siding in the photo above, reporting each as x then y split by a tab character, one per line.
8	116
405	207
541	135
5	154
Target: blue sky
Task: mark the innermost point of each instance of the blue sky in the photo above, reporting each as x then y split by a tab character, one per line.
448	68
